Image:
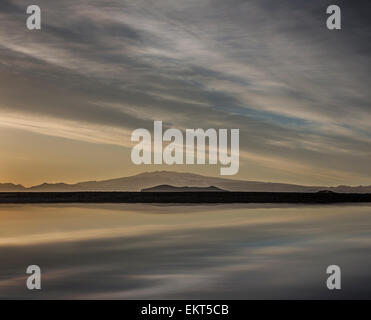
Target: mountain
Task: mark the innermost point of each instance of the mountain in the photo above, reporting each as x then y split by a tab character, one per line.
178	179
326	191
10	187
167	188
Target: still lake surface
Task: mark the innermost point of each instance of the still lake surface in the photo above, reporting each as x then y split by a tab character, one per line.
137	251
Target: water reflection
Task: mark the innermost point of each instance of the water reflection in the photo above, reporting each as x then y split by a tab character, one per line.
131	251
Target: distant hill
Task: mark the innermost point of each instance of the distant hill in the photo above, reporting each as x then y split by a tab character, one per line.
10	187
178	179
326	191
167	188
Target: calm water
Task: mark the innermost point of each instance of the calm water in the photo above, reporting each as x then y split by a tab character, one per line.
170	252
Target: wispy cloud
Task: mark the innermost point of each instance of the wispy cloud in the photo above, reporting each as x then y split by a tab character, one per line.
296	90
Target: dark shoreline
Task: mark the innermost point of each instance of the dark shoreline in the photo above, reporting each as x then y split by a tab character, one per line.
180	197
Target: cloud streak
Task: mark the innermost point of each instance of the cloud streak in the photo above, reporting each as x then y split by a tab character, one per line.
296	90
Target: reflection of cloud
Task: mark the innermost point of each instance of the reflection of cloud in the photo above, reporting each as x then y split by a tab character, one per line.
235	253
133	231
159	285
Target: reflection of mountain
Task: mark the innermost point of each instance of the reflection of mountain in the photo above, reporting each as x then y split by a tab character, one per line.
167	188
178	179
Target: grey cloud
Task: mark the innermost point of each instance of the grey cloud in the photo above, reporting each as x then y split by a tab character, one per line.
161	59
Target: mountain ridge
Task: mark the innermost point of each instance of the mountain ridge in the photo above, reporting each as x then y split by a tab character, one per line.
177	179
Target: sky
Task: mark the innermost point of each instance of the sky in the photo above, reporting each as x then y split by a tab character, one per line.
72	92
